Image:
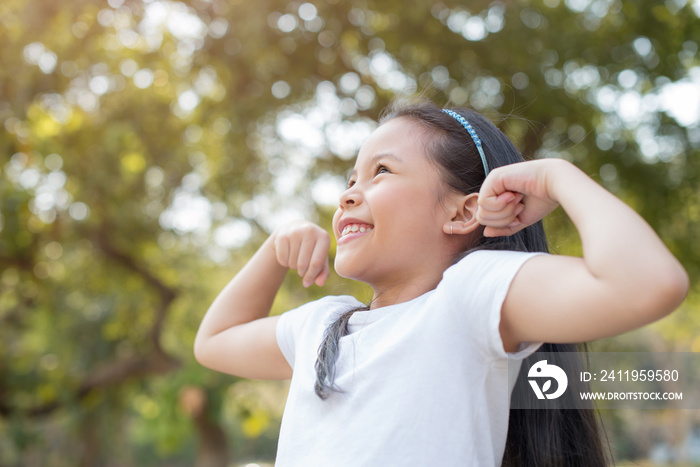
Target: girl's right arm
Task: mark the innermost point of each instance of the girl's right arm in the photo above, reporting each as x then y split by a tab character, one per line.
236	335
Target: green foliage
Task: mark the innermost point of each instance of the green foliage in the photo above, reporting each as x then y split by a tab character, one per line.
127	140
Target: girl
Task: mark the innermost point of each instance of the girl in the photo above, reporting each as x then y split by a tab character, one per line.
442	218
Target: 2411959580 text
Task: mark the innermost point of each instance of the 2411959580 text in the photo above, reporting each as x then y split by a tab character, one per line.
630	375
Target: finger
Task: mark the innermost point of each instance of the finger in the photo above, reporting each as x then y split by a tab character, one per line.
519	209
515	177
282	250
305	251
498	202
512	228
318	268
484	217
508	213
494	184
293	254
318	261
500	224
510	220
321	278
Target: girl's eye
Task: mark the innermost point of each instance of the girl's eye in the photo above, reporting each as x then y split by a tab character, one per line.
380	169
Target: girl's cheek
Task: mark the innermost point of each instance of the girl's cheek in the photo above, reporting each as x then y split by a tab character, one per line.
336	216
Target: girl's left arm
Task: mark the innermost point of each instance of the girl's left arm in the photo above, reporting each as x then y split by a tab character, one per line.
625	279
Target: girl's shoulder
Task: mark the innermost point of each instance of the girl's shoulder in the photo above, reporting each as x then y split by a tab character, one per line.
482	265
328	306
335	301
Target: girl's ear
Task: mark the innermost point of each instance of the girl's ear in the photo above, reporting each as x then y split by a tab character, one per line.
463	212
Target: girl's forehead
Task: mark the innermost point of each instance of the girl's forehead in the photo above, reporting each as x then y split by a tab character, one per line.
400	137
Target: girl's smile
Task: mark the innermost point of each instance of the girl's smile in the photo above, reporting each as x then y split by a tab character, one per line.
389	225
351	228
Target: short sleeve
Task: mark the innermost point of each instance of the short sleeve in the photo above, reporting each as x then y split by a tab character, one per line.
285	335
290	326
307	323
479	284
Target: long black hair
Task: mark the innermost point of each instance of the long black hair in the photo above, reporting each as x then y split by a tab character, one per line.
536	437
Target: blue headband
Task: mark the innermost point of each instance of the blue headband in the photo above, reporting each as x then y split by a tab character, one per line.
472	133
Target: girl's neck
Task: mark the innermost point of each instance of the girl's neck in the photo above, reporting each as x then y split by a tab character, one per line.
402	291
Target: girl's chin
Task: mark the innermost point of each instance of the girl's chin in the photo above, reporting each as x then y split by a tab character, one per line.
343	272
347	271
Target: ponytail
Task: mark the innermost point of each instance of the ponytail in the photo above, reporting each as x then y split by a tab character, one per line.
553	437
328	354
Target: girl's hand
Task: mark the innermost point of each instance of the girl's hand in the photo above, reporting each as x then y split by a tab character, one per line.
303	246
517	195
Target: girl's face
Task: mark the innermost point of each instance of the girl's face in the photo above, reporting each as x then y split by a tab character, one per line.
390	224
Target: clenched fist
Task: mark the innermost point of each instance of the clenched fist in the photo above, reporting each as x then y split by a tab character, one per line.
303	246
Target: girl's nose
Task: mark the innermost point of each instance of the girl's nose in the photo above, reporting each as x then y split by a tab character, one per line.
349	198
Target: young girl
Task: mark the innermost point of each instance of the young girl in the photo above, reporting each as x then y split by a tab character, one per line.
442	218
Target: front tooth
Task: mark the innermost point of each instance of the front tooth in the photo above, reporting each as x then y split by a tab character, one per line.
355	228
346	229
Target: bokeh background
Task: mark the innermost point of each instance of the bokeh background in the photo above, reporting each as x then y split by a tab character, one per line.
147	147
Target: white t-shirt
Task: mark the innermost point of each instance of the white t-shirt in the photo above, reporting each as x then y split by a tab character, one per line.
425	382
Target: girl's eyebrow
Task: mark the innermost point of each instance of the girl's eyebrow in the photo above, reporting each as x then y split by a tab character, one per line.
375	158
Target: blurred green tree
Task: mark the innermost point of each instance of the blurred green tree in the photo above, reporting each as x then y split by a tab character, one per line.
148	147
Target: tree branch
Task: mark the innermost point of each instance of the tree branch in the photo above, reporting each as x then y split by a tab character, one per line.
167	294
114	373
118	371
